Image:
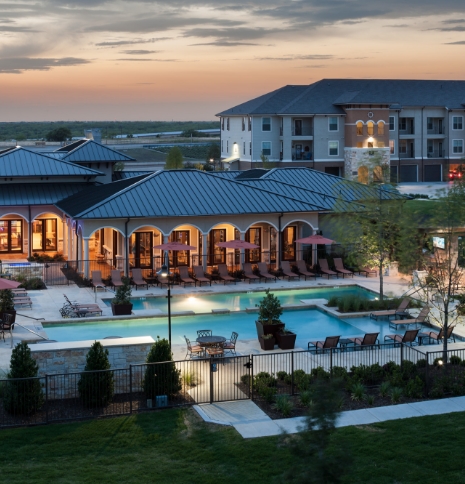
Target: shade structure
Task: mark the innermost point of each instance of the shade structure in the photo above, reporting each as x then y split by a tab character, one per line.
7	284
237	244
315	239
174	246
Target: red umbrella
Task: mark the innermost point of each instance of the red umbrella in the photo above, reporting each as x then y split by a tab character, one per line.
315	239
7	284
237	244
174	246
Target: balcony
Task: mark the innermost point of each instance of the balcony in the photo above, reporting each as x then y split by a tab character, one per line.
303	131
436	154
436	130
409	154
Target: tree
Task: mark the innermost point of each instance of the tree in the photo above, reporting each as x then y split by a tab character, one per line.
266	163
174	159
22	397
163	378
59	134
191	133
213	152
96	386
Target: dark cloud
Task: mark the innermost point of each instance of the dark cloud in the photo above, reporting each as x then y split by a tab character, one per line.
297	57
231	34
451	29
224	43
454	21
460	42
139	52
118	43
12	28
146	60
17	65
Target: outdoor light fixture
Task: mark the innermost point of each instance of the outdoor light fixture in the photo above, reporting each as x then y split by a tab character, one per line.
370	139
165	272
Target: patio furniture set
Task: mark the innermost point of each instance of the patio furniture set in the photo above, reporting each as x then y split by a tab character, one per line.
209	345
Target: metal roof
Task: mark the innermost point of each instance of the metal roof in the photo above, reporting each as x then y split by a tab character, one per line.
175	193
90	151
21	162
123	175
37	193
325	96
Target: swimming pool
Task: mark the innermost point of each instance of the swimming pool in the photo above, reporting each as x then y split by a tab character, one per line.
239	301
309	324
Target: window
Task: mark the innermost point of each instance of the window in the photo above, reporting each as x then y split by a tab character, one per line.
266	148
392	146
457	122
243	124
180	257
227	146
243	148
359	144
403	146
381	128
222	146
370	144
215	254
333	148
254	235
402	124
11	236
227	124
359	128
288	243
392	123
333	124
371	128
457	146
250	124
44	234
222	124
429	123
380	144
250	148
266	124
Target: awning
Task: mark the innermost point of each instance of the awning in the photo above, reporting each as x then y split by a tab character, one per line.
230	159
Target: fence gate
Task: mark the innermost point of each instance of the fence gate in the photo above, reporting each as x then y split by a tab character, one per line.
225	378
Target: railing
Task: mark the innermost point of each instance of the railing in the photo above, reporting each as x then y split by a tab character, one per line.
436	130
436	154
410	154
304	131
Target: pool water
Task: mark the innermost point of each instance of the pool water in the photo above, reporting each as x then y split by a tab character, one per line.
309	324
239	301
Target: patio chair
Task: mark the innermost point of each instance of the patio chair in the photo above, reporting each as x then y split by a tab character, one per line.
137	279
116	278
369	339
433	336
368	271
395	323
409	337
248	272
339	266
204	332
302	268
391	312
81	305
22	301
325	270
215	351
7	324
193	351
224	275
287	271
199	276
263	268
328	343
229	346
97	280
184	277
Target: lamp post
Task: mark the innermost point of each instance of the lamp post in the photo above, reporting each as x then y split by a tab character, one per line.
165	272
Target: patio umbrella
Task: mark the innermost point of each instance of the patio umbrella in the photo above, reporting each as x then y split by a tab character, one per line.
7	284
237	244
174	246
315	239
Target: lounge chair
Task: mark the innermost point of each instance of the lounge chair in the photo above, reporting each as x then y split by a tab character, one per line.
339	266
137	279
263	268
325	270
81	305
199	276
248	273
328	343
395	323
97	280
7	324
369	339
368	271
302	268
22	301
224	275
287	271
184	277
116	278
20	291
391	312
433	336
408	338
195	350
229	345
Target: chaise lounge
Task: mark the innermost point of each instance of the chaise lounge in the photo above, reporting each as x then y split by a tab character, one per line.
97	280
302	268
248	272
395	323
391	312
199	276
262	267
325	270
409	337
287	271
137	279
224	275
339	266
184	277
328	343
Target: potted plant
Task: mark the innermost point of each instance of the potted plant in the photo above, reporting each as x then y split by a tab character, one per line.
286	339
121	304
267	342
269	312
7	305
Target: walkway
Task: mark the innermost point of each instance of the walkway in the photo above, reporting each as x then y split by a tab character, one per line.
251	422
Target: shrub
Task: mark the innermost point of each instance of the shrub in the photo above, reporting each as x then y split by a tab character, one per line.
281	375
333	301
422	363
96	388
358	392
34	283
340	372
409	369
414	388
368	374
162	378
370	399
455	360
384	389
269	309
306	399
395	394
438	362
283	405
245	379
320	373
123	293
189	379
390	367
22	397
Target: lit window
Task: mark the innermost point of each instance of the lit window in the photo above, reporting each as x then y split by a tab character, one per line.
381	128
266	148
359	128
370	144
333	123
392	123
359	144
392	146
457	146
370	128
380	144
457	122
333	147
266	124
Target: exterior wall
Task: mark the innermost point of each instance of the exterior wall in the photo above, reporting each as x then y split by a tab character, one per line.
357	157
455	134
365	115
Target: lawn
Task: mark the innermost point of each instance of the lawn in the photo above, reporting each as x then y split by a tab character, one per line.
175	446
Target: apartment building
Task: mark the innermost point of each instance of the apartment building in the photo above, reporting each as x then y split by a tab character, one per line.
345	126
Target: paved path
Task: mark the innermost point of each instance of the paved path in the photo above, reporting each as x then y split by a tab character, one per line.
251	422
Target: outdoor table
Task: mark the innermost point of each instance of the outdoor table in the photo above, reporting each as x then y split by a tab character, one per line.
7	276
210	340
344	342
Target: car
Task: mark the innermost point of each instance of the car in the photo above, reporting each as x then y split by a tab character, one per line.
455	175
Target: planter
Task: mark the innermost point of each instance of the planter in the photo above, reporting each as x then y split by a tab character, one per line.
121	309
286	341
268	328
267	344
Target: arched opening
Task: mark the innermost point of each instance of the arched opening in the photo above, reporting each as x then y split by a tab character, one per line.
359	128
381	128
363	175
378	174
370	128
12	230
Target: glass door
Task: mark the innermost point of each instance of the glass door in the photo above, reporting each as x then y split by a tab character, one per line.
273	243
288	243
180	257
254	235
44	234
141	249
216	255
11	236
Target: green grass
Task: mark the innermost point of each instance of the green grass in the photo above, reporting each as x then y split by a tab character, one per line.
174	446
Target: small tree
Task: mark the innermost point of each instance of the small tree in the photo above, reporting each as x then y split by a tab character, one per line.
213	152
6	300
59	134
96	386
266	163
23	397
123	293
174	159
163	378
269	309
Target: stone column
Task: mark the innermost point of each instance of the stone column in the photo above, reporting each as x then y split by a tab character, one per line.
85	243
204	252
242	250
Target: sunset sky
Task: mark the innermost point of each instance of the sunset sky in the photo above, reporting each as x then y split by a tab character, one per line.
190	59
